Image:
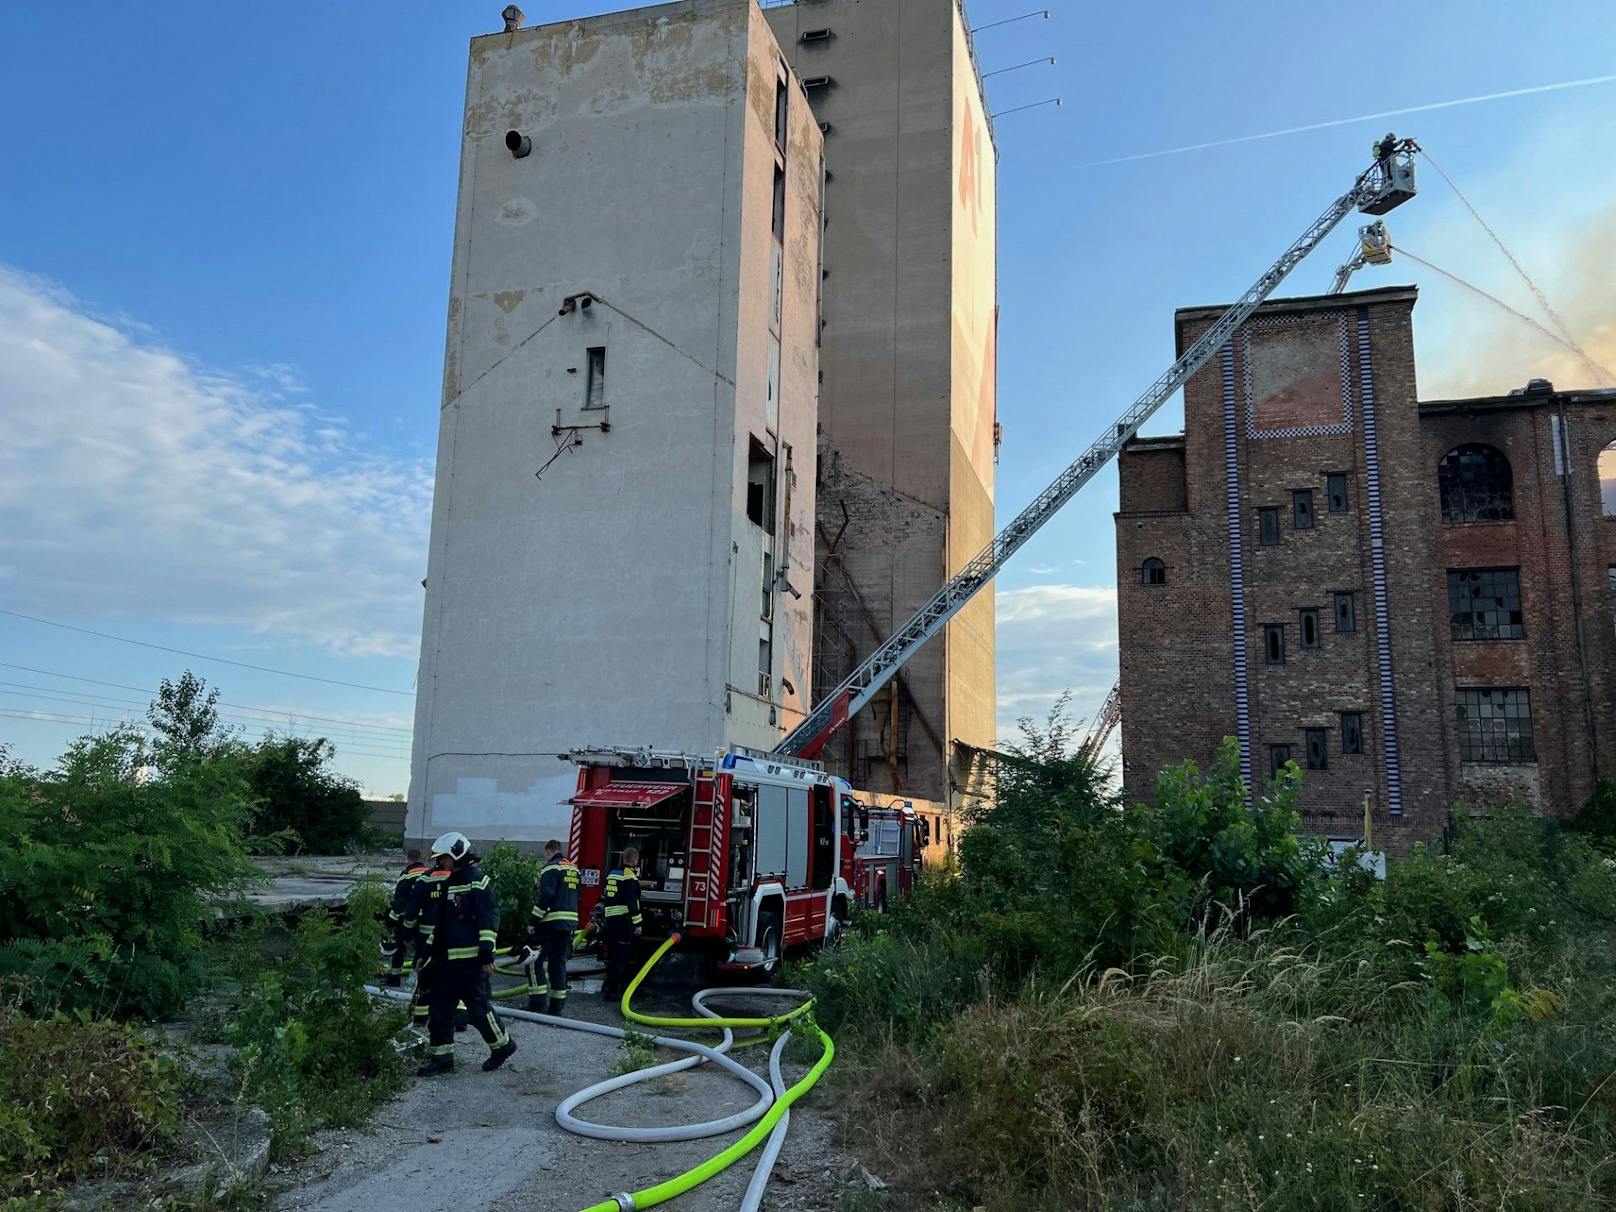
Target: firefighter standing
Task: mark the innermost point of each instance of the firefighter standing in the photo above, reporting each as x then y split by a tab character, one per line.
549	931
459	923
426	885
400	925
620	922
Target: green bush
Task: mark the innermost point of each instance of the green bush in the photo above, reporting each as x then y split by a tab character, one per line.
297	795
109	873
80	1098
513	875
314	1049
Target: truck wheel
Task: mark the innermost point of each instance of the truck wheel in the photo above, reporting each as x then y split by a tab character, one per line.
769	943
837	927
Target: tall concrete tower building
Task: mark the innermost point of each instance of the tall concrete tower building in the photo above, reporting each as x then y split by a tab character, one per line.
907	408
623	525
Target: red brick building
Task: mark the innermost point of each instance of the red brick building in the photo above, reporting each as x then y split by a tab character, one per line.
1415	602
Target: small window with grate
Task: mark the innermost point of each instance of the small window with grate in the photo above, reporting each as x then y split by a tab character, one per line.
1302	508
1346	613
1495	725
1485	603
1352	732
1278	755
1274	644
1268	526
1318	748
1309	626
1476	485
1335	491
1152	572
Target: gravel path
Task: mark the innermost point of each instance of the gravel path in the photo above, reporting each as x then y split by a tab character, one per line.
472	1140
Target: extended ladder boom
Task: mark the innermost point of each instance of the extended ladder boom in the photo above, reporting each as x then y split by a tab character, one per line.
1385	184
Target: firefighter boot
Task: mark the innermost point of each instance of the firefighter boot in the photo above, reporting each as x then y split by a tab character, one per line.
558	1007
436	1065
499	1056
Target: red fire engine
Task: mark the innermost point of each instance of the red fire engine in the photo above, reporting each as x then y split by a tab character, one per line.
887	862
746	854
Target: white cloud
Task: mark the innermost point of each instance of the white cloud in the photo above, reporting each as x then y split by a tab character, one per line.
135	482
1054	638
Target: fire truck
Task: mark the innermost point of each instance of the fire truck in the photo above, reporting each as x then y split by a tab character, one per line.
749	853
887	862
746	854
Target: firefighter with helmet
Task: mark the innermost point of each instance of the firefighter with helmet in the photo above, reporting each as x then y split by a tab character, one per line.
620	922
459	923
550	928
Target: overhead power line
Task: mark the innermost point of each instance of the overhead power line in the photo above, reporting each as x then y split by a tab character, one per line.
202	656
275	711
1385	113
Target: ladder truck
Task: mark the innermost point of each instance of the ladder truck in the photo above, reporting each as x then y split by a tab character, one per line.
749	853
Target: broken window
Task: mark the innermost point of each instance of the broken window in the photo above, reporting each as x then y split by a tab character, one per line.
1476	485
760	486
1352	732
1335	490
1495	726
1318	748
1268	526
1485	603
1309	620
1302	507
780	94
595	378
1273	644
1153	572
779	222
1346	614
1278	755
766	662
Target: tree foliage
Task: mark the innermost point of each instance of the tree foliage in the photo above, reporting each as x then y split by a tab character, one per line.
298	796
107	874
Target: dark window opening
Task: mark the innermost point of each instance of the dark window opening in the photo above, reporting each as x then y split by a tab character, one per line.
815	35
768	586
1318	748
1352	732
1309	627
1273	644
1335	488
780	112
1302	507
760	486
595	377
1476	485
779	220
1485	603
1153	572
765	667
1610	585
1268	526
1495	726
1278	755
1346	613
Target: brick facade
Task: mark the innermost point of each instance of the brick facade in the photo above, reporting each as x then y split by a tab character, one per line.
1319	393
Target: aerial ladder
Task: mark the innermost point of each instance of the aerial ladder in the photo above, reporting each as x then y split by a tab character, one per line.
1383	186
1103	725
1374	248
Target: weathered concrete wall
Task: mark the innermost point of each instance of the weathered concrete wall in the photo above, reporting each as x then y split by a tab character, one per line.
907	403
614	598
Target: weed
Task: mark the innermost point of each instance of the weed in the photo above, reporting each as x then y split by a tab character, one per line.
636	1052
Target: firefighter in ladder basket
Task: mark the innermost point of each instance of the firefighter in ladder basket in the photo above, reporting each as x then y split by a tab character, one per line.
549	931
620	923
459	924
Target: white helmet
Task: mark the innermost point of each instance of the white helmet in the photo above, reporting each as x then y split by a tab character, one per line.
455	845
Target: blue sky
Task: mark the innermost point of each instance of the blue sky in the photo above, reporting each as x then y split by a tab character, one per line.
224	252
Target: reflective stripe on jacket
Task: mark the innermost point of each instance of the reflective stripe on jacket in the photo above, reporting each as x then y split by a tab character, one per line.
558	896
460	917
622	895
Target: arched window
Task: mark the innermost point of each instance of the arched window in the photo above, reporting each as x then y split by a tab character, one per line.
1476	485
1607	479
1153	572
